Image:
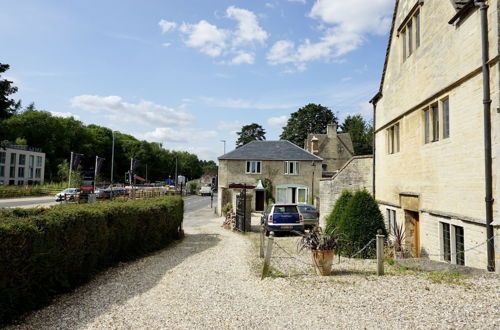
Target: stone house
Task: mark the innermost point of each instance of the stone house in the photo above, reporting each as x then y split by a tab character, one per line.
294	173
434	170
335	149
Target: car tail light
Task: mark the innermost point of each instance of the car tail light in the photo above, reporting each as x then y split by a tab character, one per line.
301	218
270	220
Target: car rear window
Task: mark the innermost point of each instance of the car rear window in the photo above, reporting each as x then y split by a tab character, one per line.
285	209
306	208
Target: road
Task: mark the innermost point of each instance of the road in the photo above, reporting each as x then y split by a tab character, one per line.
196	203
191	203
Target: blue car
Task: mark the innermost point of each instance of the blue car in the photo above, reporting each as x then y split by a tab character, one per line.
283	218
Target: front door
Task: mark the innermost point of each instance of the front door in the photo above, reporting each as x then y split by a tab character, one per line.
412	228
259	200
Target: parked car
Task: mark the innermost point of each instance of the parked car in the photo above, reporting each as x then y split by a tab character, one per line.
68	194
283	217
106	193
310	214
205	191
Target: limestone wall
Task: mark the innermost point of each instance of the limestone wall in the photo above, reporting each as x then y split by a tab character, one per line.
355	175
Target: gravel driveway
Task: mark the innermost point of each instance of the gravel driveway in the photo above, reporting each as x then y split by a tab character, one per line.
209	280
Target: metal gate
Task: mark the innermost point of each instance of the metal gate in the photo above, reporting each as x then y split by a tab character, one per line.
241	210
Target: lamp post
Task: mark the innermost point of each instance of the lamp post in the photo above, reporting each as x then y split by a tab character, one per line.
112	164
224	145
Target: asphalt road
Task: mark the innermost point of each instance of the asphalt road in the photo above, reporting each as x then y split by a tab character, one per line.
27	201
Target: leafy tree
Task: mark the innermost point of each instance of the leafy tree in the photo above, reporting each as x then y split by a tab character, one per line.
361	134
8	106
334	219
21	141
359	224
313	118
249	133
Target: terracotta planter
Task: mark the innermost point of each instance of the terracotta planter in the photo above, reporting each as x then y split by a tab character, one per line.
322	261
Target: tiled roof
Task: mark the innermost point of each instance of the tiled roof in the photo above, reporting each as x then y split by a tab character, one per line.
270	150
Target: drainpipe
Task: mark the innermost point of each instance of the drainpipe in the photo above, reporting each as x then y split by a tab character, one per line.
490	245
374	101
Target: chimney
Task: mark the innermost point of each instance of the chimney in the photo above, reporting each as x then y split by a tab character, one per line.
331	130
314	145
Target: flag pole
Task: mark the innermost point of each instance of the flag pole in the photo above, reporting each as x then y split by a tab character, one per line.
70	166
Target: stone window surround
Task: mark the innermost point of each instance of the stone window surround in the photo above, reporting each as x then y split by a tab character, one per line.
412	22
452	241
429	131
393	138
291	165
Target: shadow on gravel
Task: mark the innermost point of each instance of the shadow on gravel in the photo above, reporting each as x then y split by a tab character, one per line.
116	286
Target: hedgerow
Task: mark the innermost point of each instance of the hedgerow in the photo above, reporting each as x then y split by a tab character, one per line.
45	252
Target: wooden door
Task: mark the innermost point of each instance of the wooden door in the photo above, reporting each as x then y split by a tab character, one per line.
412	229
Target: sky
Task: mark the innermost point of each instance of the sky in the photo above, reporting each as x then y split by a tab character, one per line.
191	73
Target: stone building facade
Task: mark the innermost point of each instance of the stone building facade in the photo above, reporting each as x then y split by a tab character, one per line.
335	149
429	129
20	165
294	172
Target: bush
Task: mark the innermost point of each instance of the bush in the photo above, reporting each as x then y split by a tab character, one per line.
44	252
359	224
334	218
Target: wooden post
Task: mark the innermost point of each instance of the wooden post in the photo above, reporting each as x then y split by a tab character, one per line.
262	233
267	259
380	253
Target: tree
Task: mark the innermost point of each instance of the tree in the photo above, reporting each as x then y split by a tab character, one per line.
313	118
334	219
361	134
8	106
249	133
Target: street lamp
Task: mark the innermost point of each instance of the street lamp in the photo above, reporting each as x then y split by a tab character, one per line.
224	145
112	164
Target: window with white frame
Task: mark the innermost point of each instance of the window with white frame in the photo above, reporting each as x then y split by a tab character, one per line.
391	220
453	243
253	167
291	167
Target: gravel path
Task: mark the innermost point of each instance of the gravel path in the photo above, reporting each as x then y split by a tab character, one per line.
209	281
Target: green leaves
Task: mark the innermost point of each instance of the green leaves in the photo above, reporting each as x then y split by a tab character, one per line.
361	134
313	118
249	133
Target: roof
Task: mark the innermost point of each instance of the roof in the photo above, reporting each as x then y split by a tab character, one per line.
344	138
270	150
461	6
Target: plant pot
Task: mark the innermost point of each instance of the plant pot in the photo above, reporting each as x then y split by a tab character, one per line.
322	260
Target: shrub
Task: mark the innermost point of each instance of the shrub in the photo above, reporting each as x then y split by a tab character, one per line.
44	252
359	224
334	218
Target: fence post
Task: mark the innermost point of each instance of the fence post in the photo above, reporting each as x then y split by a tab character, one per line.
262	233
380	253
267	259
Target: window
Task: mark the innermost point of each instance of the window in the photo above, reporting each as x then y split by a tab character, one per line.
410	35
301	195
435	122
38	161
22	159
427	120
453	243
446	241
2	171
2	157
324	167
12	172
393	139
30	173
446	118
12	159
20	172
391	220
253	167
31	161
38	173
291	167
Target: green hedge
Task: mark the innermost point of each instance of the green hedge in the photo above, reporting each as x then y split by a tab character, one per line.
44	252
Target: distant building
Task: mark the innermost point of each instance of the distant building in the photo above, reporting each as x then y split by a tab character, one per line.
20	165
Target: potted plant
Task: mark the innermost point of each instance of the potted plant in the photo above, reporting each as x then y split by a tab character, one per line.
322	247
399	235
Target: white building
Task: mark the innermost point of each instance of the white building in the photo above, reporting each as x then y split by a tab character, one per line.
20	165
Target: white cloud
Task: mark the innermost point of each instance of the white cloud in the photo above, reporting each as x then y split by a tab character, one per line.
249	30
64	114
144	112
277	121
243	57
229	125
208	38
236	45
168	134
244	104
166	25
166	44
300	1
347	23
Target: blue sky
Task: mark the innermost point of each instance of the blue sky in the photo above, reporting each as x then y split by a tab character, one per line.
190	73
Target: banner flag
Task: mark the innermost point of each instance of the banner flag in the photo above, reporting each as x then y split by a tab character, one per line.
99	161
77	158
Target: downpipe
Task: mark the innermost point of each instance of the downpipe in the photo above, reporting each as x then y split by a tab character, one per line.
483	8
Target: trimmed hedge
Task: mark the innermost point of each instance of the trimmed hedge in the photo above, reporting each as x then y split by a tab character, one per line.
45	252
335	217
